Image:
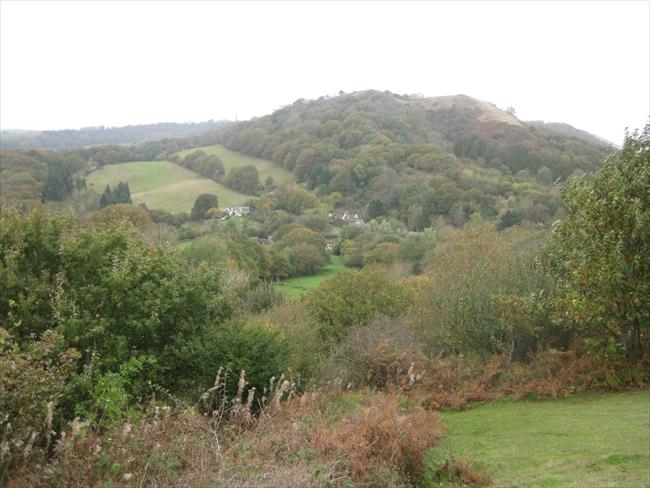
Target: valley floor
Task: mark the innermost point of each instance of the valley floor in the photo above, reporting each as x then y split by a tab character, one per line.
591	440
294	287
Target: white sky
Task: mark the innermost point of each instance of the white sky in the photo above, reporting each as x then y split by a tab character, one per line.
76	64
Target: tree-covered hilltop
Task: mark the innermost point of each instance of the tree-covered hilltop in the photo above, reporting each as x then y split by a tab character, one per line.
92	136
417	159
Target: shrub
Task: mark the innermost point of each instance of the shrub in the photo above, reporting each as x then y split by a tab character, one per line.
111	296
259	351
382	354
354	299
260	298
33	379
382	440
457	302
114	215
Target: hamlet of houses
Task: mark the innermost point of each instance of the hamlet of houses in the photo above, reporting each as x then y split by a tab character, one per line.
235	212
348	217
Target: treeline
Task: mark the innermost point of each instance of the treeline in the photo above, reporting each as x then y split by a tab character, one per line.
35	175
111	196
243	179
94	136
389	155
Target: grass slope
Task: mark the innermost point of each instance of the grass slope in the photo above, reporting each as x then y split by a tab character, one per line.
163	185
232	159
593	440
294	287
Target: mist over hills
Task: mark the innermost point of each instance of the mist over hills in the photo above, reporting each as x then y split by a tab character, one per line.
92	136
570	131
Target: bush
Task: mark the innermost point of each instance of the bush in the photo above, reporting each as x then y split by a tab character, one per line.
260	298
381	441
458	304
261	352
383	354
116	214
354	299
111	296
33	380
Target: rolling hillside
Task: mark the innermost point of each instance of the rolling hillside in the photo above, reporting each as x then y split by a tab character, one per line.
163	185
167	186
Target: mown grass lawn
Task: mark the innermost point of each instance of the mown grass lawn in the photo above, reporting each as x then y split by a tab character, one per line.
163	185
592	440
294	287
232	159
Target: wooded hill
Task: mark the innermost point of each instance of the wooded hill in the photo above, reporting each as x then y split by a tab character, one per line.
418	159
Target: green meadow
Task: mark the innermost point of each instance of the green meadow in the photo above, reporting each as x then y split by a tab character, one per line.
232	159
294	287
591	440
163	185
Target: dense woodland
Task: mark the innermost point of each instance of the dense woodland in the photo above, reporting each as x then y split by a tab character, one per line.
488	259
417	160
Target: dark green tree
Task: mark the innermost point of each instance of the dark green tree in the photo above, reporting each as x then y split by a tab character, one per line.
508	219
119	194
58	182
376	208
106	198
202	204
122	193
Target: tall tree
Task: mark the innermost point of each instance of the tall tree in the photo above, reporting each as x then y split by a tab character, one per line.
601	250
58	182
202	204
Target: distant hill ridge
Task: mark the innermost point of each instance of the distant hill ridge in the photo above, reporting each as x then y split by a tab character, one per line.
93	136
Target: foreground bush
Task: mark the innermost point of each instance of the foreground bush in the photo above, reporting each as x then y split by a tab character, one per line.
110	295
458	384
32	382
319	439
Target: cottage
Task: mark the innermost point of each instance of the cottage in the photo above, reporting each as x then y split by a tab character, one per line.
235	212
348	217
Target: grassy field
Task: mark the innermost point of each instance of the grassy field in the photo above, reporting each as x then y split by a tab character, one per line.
294	287
232	159
163	185
593	440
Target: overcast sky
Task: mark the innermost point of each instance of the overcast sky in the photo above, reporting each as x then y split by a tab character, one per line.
76	64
